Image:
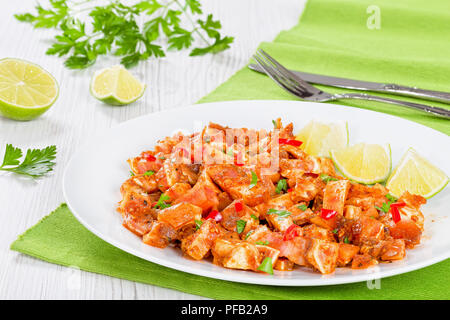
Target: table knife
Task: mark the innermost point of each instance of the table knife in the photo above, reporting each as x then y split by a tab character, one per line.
369	86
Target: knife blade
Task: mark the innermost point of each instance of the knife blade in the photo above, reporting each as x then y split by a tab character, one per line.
368	85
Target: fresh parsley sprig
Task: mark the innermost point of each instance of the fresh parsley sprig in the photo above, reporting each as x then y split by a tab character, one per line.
37	162
115	27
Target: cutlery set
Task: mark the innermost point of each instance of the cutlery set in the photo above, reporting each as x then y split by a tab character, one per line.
298	84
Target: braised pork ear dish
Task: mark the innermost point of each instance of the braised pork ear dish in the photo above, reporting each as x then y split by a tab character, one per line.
254	200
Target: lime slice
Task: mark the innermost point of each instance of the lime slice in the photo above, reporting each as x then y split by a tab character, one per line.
320	138
26	90
363	163
416	175
116	86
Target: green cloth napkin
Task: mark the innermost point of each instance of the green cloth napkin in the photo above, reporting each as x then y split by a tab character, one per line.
59	238
410	48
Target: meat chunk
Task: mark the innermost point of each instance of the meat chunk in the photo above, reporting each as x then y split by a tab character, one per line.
323	255
177	190
300	216
393	250
306	188
335	194
346	253
352	212
412	209
160	235
367	229
236	254
284	264
204	194
237	182
198	244
180	215
408	231
316	232
230	216
363	261
139	184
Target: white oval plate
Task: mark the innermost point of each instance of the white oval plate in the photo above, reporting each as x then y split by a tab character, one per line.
95	173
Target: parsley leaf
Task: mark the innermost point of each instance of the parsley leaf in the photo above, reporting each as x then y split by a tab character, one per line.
262	243
302	207
114	27
279	213
248	234
326	178
281	186
149	173
161	204
240	225
37	162
198	224
254	180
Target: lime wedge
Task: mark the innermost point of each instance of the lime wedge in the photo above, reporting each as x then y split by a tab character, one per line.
26	90
363	163
116	86
320	138
416	175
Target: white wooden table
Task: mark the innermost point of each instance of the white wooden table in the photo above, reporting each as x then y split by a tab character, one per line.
172	82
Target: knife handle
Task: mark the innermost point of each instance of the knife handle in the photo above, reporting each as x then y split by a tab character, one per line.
418	93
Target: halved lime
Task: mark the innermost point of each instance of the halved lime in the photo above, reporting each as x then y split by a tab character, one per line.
416	175
363	163
26	90
116	86
320	138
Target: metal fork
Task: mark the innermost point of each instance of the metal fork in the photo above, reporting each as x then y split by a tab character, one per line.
293	84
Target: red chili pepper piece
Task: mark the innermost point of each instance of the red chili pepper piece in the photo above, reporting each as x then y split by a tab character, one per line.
327	214
236	161
291	232
290	190
238	206
396	217
291	142
398	204
214	214
149	157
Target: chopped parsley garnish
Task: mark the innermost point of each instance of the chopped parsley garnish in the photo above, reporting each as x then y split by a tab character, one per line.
248	234
391	197
162	158
131	173
346	240
281	186
302	207
326	178
161	204
262	243
274	124
240	226
266	265
335	231
385	207
254	180
198	224
149	173
279	213
254	217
